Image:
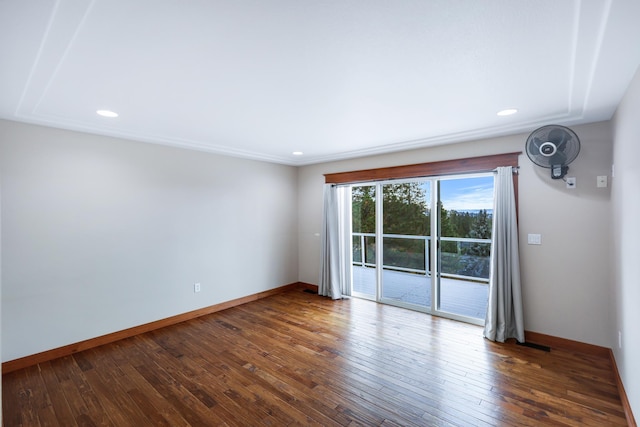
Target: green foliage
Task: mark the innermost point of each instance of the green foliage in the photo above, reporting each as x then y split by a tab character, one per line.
405	253
363	205
447	230
462	223
481	229
405	209
405	212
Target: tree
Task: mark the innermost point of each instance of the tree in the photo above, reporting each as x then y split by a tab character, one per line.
447	229
405	209
363	205
481	229
461	223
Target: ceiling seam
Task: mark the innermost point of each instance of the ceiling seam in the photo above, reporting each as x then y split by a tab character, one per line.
598	48
64	55
574	54
37	59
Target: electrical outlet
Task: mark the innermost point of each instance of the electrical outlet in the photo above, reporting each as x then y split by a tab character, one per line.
196	287
571	182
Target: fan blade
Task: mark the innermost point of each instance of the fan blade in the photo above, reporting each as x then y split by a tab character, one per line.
561	137
534	147
559	158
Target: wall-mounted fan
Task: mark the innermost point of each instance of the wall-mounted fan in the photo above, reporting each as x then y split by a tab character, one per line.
553	147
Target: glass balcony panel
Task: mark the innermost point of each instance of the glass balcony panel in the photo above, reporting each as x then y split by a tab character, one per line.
404	253
469	259
356	247
370	250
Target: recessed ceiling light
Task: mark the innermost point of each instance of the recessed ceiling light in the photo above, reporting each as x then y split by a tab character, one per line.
297	153
107	113
507	112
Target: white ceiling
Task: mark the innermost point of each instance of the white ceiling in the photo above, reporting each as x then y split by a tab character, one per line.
332	78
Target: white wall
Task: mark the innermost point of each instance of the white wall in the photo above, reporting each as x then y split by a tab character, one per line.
566	279
102	234
626	242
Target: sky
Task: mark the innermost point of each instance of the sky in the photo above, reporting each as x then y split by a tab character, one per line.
467	193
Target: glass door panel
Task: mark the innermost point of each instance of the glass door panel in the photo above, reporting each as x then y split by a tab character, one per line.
363	226
465	220
405	243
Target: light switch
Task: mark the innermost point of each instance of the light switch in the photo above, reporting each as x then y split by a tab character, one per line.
534	239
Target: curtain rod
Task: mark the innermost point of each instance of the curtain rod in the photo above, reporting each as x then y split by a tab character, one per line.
516	170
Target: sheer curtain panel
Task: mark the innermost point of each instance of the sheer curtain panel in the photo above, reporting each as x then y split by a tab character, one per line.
335	270
504	317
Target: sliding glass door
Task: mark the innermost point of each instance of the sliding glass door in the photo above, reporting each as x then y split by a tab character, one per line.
398	260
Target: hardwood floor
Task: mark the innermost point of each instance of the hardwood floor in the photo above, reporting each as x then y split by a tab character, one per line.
299	359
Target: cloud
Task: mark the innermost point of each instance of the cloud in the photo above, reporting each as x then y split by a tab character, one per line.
473	197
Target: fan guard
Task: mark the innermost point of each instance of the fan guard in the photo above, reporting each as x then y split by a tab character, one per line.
554	147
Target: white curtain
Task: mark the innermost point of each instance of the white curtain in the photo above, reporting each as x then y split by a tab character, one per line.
504	310
335	271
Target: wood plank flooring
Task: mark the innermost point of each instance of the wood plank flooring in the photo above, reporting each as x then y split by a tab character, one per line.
298	359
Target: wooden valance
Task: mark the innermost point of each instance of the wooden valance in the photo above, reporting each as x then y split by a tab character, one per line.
446	167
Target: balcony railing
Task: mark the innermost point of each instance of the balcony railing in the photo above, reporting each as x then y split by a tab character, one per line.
460	258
